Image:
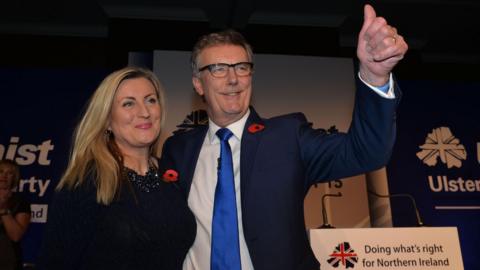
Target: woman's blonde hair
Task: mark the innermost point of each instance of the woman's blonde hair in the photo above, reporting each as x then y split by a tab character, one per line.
94	152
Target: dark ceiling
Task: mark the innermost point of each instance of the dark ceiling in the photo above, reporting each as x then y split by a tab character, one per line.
438	31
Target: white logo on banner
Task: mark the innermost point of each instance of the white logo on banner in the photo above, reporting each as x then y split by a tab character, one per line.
39	213
33	185
27	154
441	143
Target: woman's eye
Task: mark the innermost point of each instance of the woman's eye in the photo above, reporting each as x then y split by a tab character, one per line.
152	100
127	104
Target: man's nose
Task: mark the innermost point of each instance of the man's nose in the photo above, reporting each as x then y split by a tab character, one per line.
232	75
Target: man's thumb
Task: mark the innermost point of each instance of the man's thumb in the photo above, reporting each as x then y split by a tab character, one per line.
368	16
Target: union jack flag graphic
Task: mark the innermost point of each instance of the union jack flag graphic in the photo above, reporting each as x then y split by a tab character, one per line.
193	120
343	254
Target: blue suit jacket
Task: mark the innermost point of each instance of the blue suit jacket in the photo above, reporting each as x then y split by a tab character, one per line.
278	165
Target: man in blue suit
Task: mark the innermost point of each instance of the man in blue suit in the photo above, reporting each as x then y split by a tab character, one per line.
276	160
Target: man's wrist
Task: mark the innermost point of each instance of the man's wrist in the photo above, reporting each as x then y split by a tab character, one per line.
371	78
389	93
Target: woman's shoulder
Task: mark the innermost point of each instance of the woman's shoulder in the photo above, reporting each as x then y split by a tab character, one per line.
80	194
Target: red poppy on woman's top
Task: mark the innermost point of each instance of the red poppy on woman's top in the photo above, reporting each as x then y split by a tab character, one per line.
170	176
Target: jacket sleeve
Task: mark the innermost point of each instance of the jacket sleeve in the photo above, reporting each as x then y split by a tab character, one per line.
365	147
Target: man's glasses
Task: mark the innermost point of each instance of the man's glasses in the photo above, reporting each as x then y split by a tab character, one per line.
220	70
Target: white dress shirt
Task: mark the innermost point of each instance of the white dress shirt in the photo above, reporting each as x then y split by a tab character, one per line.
202	195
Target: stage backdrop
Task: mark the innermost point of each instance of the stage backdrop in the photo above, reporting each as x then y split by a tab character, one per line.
437	159
39	110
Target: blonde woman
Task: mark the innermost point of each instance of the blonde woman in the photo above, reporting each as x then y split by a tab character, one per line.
14	216
114	207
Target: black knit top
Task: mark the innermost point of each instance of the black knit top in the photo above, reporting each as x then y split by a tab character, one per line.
146	227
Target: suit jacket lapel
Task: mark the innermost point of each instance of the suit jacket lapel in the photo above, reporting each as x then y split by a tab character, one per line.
191	152
249	145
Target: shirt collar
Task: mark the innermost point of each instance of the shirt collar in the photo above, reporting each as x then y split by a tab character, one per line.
236	128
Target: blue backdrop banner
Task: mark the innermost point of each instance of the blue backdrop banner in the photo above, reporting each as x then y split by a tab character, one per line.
437	159
40	108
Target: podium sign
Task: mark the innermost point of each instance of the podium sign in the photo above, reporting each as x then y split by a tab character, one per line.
387	248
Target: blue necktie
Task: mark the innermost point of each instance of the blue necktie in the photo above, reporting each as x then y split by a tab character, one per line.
225	253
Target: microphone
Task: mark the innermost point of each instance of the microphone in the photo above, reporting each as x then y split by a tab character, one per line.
404	195
325	224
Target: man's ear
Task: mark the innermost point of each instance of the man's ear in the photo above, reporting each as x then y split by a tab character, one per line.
197	85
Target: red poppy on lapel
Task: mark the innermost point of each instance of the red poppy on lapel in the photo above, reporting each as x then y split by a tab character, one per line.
254	128
170	176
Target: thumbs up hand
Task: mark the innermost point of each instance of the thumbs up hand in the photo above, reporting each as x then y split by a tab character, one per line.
379	48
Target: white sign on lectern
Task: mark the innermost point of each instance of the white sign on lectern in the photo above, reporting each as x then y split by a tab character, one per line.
387	248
